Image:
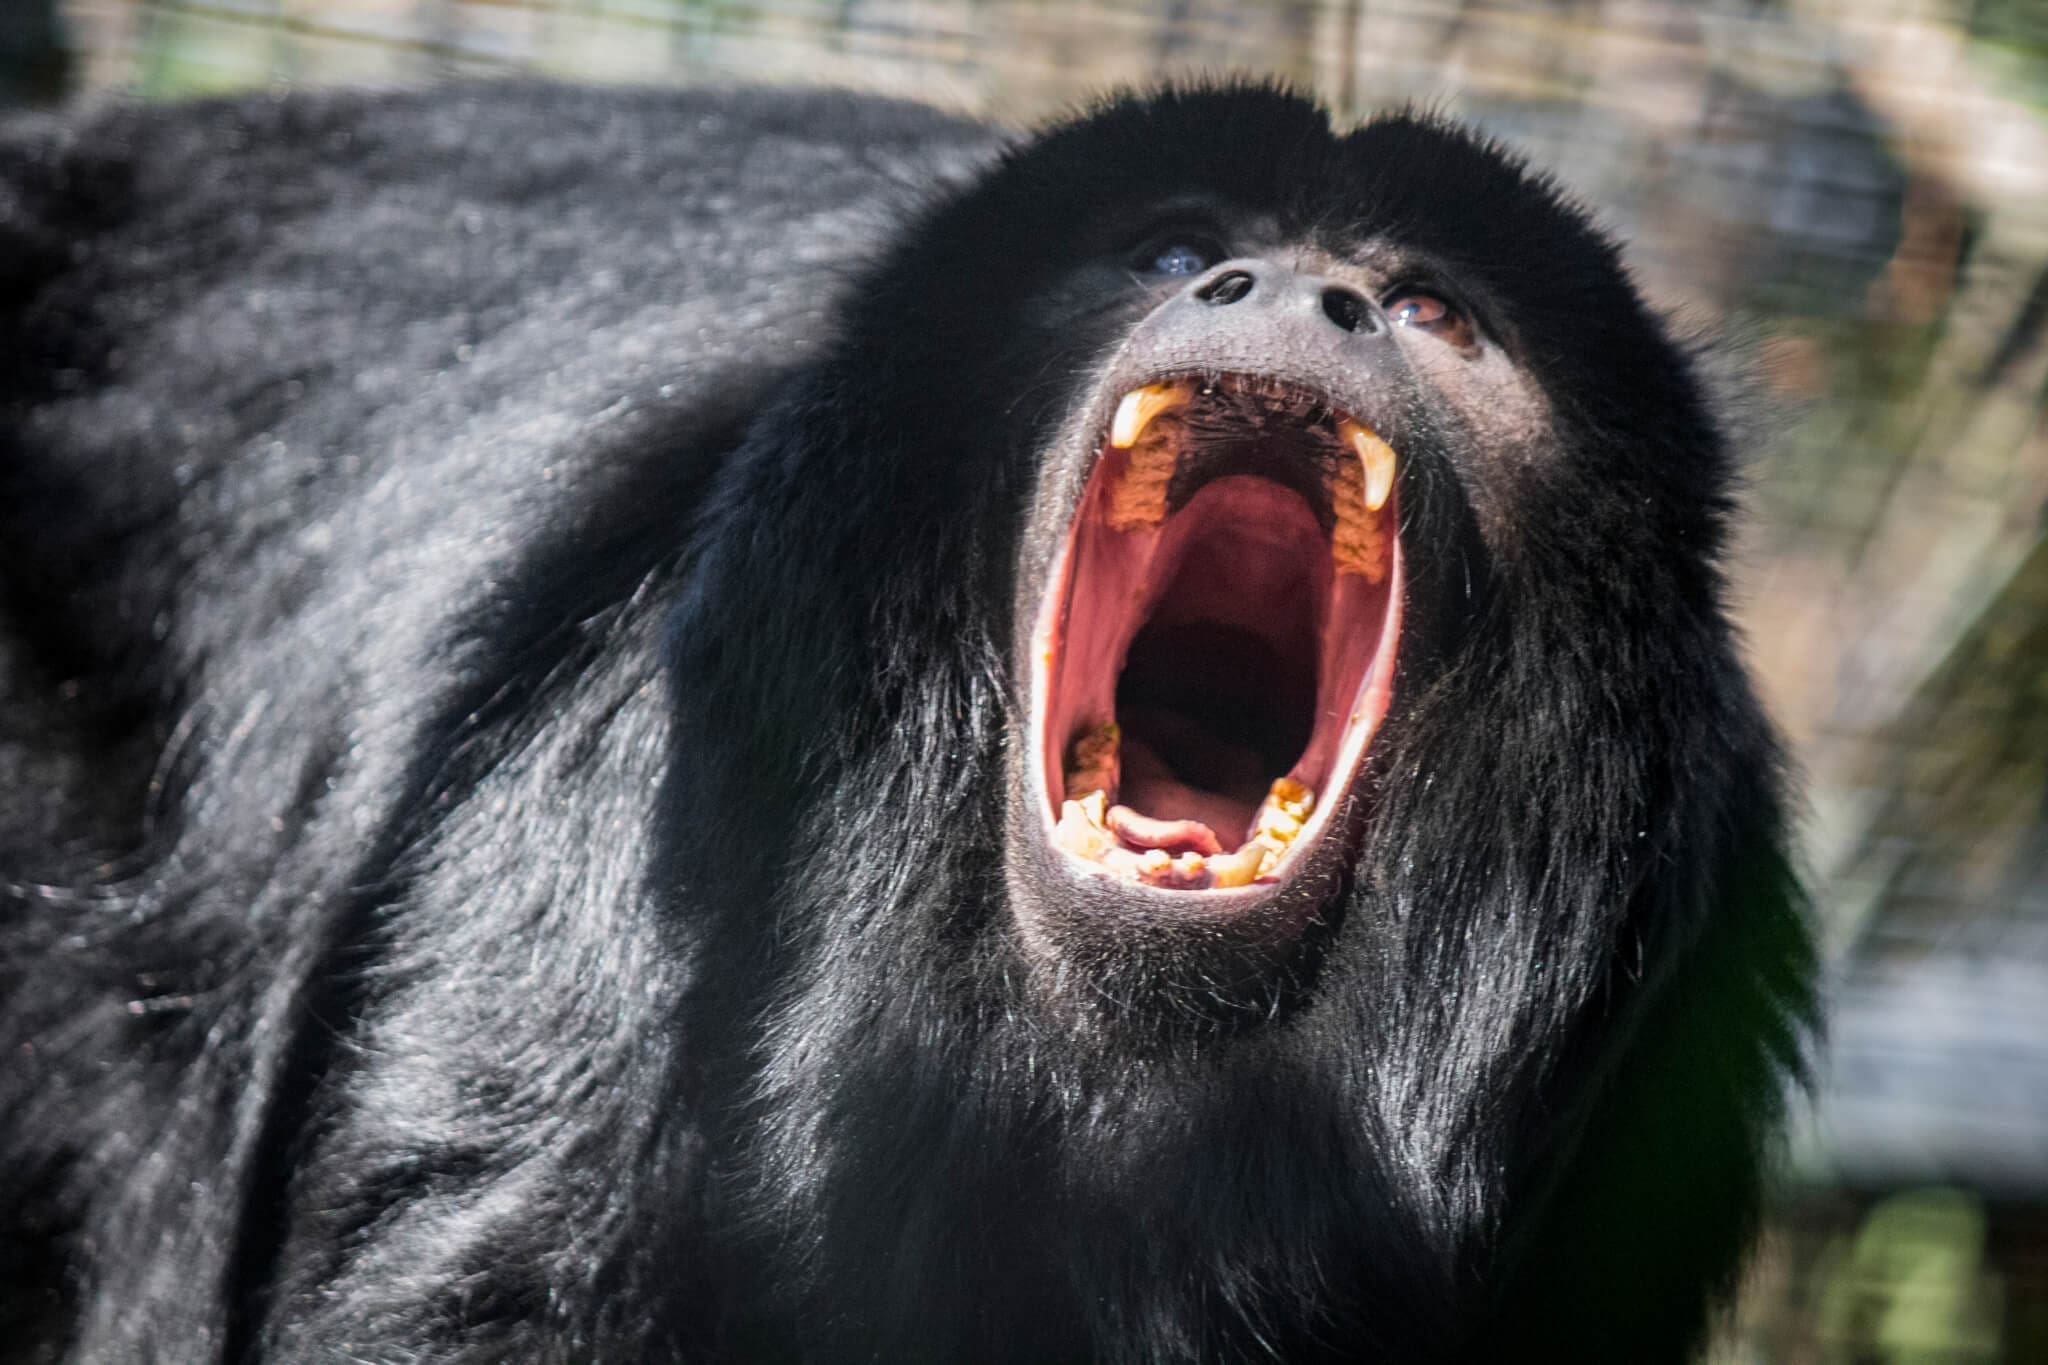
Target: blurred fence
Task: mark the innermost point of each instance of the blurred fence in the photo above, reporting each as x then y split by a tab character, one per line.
1859	188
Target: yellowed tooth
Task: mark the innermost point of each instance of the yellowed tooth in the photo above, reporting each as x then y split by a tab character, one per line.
1190	864
1080	836
1378	459
1155	860
1138	407
1296	798
1239	868
1095	805
1138	501
1092	764
1278	821
1359	541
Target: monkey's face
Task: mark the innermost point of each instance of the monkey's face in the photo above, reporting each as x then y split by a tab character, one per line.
1216	638
1263	519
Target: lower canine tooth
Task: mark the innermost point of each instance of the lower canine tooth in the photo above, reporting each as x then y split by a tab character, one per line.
1239	868
1079	835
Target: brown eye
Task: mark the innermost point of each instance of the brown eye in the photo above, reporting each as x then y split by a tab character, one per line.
1414	308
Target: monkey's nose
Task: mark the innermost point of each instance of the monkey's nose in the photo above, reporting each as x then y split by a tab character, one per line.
1262	282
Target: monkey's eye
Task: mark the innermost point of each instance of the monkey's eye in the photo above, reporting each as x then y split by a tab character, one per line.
1181	253
1432	314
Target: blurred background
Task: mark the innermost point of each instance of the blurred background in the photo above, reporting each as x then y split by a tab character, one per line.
1859	189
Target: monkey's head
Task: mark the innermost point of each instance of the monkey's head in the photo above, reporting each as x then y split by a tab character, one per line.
1290	795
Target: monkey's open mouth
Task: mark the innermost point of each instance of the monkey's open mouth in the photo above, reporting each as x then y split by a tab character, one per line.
1217	645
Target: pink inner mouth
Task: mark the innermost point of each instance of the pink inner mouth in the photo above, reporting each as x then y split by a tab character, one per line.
1205	667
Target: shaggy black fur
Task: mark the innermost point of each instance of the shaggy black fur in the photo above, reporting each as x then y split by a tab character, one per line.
510	712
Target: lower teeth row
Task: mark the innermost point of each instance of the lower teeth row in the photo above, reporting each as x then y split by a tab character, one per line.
1091	829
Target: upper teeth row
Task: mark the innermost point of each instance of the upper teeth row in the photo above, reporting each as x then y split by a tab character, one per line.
1135	411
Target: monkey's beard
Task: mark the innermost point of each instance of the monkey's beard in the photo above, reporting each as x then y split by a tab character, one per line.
1217	645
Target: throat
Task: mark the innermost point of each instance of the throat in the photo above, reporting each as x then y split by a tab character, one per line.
1217	694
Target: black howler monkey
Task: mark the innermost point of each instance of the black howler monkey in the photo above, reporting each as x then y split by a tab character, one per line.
763	727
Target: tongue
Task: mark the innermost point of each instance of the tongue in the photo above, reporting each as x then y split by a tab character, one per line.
1175	836
1167	800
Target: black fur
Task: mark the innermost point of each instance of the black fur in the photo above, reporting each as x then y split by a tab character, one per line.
509	713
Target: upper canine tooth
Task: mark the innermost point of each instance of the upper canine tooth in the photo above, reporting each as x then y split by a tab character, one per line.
1138	407
1377	457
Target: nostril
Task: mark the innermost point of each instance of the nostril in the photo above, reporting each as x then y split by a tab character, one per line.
1228	287
1347	309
